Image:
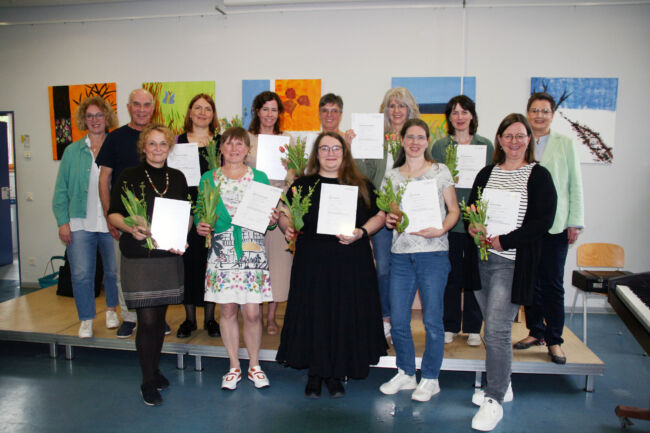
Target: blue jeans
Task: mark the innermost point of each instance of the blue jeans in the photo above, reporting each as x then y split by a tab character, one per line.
82	255
498	312
428	273
381	243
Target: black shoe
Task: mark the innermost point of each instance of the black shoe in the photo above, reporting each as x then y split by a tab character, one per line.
312	390
150	394
334	387
160	381
520	345
558	359
185	330
213	328
168	329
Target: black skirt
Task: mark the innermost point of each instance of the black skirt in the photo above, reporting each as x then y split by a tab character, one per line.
151	282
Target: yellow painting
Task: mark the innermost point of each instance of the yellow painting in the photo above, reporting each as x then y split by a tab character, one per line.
300	101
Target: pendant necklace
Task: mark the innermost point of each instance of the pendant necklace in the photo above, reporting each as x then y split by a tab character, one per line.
154	186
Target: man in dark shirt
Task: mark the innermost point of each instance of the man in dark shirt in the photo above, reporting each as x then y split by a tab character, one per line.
118	152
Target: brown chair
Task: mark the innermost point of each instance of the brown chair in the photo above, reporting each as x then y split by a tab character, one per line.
593	282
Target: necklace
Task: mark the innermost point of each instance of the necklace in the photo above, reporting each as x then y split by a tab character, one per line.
154	186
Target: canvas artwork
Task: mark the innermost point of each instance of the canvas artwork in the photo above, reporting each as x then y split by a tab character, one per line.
300	100
64	100
172	99
249	90
586	112
432	95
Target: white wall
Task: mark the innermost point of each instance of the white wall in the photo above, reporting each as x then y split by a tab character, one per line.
355	52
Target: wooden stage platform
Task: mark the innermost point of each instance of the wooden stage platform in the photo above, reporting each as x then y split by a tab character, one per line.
44	317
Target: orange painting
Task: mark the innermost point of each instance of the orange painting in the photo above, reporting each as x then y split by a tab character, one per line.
64	100
300	100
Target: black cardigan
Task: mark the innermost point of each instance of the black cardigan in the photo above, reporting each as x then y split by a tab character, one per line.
527	239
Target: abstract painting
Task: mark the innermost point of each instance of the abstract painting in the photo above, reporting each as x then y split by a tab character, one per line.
300	100
172	99
432	95
586	112
249	90
64	100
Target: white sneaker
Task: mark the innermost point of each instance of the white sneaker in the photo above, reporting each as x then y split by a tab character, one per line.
488	416
258	377
112	321
387	329
426	389
399	382
479	396
231	379
449	337
474	339
86	329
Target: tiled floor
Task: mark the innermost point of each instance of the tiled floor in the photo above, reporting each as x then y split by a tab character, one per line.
99	392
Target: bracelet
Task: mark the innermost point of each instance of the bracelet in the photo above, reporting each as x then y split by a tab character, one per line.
365	232
272	227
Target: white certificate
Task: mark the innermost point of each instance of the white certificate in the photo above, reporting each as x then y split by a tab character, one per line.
256	206
185	157
470	160
337	213
421	203
169	223
369	142
269	155
502	210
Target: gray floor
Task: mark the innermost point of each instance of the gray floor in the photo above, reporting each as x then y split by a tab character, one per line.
99	392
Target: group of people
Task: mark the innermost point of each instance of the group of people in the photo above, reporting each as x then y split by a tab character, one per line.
347	294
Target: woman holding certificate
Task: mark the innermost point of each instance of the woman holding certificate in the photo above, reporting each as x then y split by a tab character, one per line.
266	110
462	123
520	209
151	278
238	273
398	106
332	325
202	127
419	258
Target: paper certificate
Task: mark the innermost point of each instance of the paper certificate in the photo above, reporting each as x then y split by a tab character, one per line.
470	160
369	142
256	206
269	155
185	157
337	213
169	223
502	210
421	203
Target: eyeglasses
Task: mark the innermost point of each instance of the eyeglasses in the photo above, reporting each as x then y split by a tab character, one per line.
330	110
326	149
508	138
542	111
97	116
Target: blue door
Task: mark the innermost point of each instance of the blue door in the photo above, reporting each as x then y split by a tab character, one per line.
6	247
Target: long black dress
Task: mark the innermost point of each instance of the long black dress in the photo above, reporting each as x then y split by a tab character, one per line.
195	258
333	323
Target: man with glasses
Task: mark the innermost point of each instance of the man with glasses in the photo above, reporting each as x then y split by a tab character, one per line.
556	152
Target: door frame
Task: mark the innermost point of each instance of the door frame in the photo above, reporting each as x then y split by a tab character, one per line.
12	115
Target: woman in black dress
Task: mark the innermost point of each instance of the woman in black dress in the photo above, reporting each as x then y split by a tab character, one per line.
151	279
333	322
202	127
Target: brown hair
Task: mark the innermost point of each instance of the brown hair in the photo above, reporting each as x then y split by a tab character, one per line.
102	104
236	132
401	155
348	173
258	103
499	156
214	125
169	136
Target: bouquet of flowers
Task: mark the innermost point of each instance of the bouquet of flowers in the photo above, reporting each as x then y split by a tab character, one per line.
214	156
297	208
235	121
476	214
137	210
205	208
392	144
451	159
389	201
295	158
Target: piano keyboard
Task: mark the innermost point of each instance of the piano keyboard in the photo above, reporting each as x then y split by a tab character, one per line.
638	301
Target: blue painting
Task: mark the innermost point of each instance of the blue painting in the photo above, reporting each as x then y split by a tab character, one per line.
249	90
586	112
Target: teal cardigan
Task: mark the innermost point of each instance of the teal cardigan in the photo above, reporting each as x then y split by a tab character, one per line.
373	169
560	158
224	221
71	188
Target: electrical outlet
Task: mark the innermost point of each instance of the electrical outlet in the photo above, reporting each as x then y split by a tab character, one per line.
32	261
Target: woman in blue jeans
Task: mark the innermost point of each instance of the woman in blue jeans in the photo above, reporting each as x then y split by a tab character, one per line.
419	261
507	278
80	217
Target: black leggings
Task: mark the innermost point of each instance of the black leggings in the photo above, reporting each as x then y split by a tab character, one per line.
149	338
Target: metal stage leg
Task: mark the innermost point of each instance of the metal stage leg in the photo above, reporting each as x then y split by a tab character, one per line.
478	379
197	363
180	361
589	384
52	350
68	352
